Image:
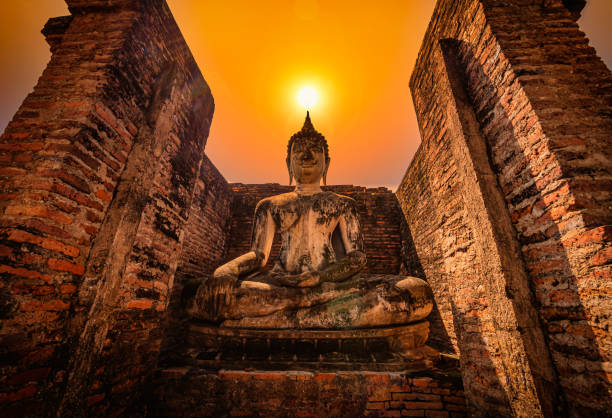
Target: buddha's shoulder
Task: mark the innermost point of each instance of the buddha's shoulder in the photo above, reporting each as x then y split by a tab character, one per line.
288	199
277	200
342	198
337	199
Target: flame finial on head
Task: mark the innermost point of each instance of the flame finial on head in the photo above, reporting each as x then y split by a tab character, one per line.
308	127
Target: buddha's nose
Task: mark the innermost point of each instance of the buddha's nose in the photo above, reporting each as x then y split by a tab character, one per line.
307	154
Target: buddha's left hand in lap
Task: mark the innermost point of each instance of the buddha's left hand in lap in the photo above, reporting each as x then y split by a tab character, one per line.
306	279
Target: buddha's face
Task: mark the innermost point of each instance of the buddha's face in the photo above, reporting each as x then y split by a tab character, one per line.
307	161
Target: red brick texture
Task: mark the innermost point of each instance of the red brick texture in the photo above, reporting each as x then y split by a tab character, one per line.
308	394
98	170
540	101
204	247
205	242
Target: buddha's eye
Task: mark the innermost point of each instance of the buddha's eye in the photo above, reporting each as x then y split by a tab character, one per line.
303	147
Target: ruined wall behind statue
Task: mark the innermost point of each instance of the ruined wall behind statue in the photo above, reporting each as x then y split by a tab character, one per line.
98	170
508	200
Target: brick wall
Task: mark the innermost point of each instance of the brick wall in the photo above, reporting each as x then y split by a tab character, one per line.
61	163
557	180
378	209
308	394
509	197
204	246
98	169
209	218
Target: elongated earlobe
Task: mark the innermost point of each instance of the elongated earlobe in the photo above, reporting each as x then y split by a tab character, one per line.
290	173
325	172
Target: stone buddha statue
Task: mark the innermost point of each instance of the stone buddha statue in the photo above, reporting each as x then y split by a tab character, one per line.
316	282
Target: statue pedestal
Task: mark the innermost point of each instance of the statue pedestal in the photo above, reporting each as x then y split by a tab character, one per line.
315	373
398	348
192	392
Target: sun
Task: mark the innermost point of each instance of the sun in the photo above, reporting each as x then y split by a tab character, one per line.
307	97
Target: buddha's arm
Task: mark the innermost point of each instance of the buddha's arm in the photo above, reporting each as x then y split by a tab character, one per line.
261	243
218	291
355	257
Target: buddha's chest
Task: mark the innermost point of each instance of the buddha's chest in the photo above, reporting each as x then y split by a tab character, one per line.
308	216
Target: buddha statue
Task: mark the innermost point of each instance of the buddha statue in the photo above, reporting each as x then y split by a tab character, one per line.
317	281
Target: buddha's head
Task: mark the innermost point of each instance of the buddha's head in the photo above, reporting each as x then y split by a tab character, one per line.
307	155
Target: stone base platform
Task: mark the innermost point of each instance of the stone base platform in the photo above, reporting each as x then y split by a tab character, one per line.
313	373
191	392
399	348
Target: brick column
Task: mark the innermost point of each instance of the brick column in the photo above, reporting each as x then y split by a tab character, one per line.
99	166
524	362
541	100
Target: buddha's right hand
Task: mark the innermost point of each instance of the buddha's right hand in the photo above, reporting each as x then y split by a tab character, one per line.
216	294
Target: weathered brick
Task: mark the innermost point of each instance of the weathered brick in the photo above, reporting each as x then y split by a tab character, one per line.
32	375
94	399
412	413
454	399
423	405
68	178
324	377
421	382
418	397
50	305
270	375
39	211
11	171
68	193
67	288
22	272
376	405
235	375
601	258
455	408
23	393
48	243
436	414
139	304
38	356
19	287
91	230
22	146
63	265
103	194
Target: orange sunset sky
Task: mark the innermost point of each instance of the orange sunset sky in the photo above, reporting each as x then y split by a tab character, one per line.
257	55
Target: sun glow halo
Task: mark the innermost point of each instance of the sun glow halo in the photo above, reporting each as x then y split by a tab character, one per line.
307	97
